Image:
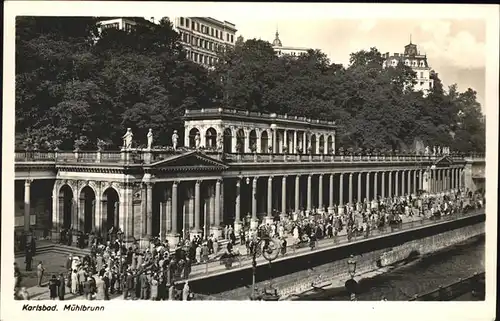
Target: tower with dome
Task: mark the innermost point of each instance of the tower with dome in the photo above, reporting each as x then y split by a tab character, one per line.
287	50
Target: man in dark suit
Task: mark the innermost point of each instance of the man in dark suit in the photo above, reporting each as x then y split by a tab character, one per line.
144	286
29	259
105	279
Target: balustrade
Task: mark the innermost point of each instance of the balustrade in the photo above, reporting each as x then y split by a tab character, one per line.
137	156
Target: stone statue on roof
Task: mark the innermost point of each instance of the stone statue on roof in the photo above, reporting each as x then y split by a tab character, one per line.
127	139
150	138
175	139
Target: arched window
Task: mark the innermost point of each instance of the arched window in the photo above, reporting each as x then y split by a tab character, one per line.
407	62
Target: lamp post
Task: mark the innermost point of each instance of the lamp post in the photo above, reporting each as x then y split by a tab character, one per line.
351	284
269	251
351	265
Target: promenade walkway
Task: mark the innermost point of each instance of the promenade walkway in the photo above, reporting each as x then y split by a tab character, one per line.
245	261
214	266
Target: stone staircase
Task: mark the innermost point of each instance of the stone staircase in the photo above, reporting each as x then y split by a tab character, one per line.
48	247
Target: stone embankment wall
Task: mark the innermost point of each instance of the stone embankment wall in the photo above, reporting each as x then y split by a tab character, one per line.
296	274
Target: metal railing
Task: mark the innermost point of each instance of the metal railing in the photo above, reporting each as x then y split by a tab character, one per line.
214	265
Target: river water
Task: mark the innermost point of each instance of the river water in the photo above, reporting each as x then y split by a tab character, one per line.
422	275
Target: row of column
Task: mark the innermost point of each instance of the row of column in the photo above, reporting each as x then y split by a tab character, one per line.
439	181
169	209
278	138
303	139
435	180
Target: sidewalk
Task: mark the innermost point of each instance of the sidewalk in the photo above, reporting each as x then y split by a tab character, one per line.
42	293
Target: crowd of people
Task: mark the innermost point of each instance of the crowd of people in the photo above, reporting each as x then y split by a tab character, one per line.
360	218
151	273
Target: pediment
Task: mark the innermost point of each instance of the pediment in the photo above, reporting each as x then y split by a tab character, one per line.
189	161
444	161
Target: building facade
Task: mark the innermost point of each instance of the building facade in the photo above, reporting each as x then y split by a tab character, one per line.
281	50
204	37
418	63
121	23
218	182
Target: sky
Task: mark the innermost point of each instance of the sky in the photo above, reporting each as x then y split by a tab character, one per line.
455	48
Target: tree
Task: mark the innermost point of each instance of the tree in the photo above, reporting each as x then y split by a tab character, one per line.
75	83
80	83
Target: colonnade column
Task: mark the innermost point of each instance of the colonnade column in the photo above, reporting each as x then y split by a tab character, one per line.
304	143
254	222
367	186
275	141
269	197
149	215
27	204
294	151
309	193
415	182
166	215
446	180
217	216
341	193
330	192
452	178
421	179
409	183
92	216
440	180
350	188
389	192
297	194
285	141
359	187
434	180
382	185
402	183
237	203
375	185
283	195
396	185
320	193
174	208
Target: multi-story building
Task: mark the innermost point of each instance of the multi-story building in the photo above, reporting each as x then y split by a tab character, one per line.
418	63
287	50
204	37
122	23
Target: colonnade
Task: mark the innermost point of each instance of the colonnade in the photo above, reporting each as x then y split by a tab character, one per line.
266	140
197	206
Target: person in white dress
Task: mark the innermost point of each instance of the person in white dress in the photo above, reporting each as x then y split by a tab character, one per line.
74	282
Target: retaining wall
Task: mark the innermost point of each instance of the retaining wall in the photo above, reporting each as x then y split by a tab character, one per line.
295	274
